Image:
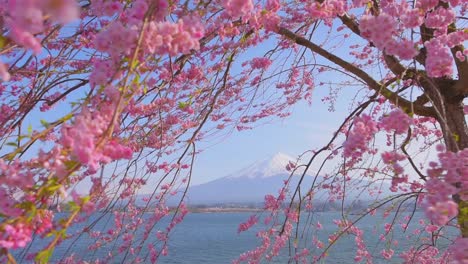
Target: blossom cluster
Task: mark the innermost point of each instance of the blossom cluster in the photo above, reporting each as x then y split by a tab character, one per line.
15	236
448	177
25	19
392	159
371	28
364	128
174	38
238	8
400	16
159	76
397	121
82	138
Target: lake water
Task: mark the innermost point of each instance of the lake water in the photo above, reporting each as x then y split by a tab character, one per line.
213	238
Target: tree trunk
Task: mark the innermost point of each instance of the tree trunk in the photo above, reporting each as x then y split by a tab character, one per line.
455	120
456	138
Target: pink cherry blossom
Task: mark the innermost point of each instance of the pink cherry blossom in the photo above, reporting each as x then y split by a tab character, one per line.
238	8
118	98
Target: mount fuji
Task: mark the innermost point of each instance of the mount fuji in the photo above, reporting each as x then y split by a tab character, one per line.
251	184
247	185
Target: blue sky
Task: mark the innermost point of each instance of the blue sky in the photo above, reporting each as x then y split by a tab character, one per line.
309	127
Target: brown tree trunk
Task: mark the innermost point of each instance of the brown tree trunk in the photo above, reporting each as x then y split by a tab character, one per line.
456	123
456	138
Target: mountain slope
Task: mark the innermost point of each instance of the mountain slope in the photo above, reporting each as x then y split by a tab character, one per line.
247	185
269	167
252	183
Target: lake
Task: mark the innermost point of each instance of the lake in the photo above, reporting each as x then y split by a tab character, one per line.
213	238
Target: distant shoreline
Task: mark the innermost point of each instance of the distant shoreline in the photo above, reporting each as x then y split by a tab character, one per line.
224	210
234	210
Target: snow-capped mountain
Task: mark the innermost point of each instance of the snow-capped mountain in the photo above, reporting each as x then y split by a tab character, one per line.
247	185
272	166
252	183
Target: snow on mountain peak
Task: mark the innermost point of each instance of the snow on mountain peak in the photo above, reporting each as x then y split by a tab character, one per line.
271	166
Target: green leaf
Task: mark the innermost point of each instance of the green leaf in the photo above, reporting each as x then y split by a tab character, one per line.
70	164
30	129
21	137
26	205
134	64
44	256
72	206
3	41
45	123
12	144
183	105
53	188
67	117
86	199
63	233
137	79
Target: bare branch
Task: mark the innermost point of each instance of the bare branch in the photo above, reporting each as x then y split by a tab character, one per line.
406	105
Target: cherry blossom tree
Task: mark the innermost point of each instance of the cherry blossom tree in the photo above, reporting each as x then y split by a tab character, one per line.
116	95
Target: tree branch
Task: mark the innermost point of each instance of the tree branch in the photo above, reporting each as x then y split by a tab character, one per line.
406	105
